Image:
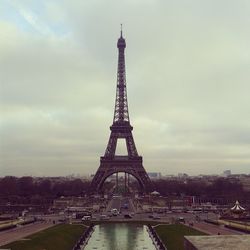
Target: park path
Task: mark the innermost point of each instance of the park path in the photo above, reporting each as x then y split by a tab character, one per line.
214	229
11	235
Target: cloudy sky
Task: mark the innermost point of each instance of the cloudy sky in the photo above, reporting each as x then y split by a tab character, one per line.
188	76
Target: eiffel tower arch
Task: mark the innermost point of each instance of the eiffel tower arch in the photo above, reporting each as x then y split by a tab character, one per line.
111	163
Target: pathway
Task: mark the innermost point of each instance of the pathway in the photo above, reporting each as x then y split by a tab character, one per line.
214	229
22	232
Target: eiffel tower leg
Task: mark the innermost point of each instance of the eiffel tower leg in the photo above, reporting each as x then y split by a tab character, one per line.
94	186
132	167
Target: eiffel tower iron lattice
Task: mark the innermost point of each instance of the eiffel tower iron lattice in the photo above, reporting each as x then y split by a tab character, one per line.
111	163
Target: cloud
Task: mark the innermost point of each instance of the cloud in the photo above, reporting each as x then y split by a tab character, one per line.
187	74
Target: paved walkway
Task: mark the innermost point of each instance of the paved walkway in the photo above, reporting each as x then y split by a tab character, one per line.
214	229
22	232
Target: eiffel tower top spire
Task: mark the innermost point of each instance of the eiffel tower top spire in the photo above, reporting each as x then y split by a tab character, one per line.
121	29
121	114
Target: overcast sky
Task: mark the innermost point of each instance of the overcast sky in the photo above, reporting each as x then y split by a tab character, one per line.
188	80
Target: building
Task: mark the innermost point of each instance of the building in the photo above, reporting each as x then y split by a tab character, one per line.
182	175
154	175
226	173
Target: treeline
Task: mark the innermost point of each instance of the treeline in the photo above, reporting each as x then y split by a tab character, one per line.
220	187
27	186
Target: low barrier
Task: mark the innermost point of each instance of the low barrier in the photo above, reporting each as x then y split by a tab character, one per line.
214	222
7	227
238	226
242	229
82	242
11	225
155	238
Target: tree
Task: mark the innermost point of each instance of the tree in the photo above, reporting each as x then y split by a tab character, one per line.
8	185
25	185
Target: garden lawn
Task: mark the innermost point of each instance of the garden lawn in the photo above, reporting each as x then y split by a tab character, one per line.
173	235
59	237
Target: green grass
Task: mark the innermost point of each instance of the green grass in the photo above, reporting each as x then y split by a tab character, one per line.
173	235
59	237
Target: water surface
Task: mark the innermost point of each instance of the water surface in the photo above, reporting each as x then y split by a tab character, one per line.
120	236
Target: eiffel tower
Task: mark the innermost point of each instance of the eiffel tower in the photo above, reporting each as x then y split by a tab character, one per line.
110	163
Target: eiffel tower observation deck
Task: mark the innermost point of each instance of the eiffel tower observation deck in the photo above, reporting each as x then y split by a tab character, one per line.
110	163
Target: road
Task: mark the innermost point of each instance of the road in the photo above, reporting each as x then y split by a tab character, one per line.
197	220
22	232
115	203
125	206
122	204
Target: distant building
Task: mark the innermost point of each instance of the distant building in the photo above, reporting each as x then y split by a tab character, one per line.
183	175
226	173
154	175
169	176
65	202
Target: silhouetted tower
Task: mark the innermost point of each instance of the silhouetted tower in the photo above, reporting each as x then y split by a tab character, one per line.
110	163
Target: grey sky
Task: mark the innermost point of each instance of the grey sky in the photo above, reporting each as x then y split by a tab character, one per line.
187	63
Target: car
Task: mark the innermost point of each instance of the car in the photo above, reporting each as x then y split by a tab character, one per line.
125	205
181	219
127	216
104	217
116	196
114	211
86	217
156	217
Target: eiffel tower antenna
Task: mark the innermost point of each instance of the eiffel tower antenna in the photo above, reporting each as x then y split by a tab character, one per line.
110	163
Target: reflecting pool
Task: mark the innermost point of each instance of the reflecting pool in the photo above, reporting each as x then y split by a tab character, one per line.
120	236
